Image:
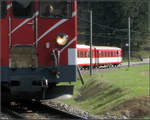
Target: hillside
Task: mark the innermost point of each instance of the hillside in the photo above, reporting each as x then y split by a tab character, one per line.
110	24
122	93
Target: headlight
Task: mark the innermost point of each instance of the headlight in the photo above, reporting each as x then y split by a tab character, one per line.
62	39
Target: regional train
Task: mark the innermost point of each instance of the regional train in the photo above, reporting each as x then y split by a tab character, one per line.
38	48
101	56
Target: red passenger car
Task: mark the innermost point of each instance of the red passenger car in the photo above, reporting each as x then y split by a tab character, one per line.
38	47
101	55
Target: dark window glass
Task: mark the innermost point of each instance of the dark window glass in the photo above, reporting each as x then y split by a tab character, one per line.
111	54
108	54
102	54
3	8
105	53
55	9
85	54
22	8
81	54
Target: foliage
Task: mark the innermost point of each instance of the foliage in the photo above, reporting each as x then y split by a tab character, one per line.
110	23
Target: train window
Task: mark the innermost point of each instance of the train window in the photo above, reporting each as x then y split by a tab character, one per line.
3	9
111	53
105	53
22	8
114	54
55	9
108	54
81	54
117	54
102	54
85	55
99	53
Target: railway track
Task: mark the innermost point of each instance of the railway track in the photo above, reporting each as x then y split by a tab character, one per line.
103	69
44	110
37	110
10	114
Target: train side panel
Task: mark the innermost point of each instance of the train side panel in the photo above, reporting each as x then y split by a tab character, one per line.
108	55
101	55
83	58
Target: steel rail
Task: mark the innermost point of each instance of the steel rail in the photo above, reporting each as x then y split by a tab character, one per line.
42	108
62	113
12	113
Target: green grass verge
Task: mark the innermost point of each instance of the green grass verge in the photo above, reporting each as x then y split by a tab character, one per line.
112	91
137	56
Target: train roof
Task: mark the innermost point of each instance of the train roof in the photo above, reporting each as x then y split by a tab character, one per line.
107	47
97	47
82	46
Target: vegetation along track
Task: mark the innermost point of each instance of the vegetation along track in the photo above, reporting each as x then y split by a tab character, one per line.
108	68
37	110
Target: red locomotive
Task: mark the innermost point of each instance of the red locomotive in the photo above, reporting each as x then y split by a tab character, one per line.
101	55
38	47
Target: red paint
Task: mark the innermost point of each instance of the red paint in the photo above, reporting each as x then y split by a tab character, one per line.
95	54
4	30
26	35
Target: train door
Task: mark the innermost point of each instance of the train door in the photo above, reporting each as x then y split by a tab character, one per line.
118	55
22	22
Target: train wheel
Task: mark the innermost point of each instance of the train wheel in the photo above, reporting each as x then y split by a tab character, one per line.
114	65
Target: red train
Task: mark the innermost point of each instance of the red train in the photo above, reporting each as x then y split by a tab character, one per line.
101	55
38	47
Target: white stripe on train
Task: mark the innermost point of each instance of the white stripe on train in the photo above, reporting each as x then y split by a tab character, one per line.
54	26
24	22
99	60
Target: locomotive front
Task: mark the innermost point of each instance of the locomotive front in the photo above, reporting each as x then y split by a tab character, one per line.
40	41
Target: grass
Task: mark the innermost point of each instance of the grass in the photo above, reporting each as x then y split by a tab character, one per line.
135	79
137	56
113	91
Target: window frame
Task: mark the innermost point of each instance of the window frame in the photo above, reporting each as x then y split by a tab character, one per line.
102	54
112	54
52	17
5	12
105	53
33	11
81	54
108	54
85	53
